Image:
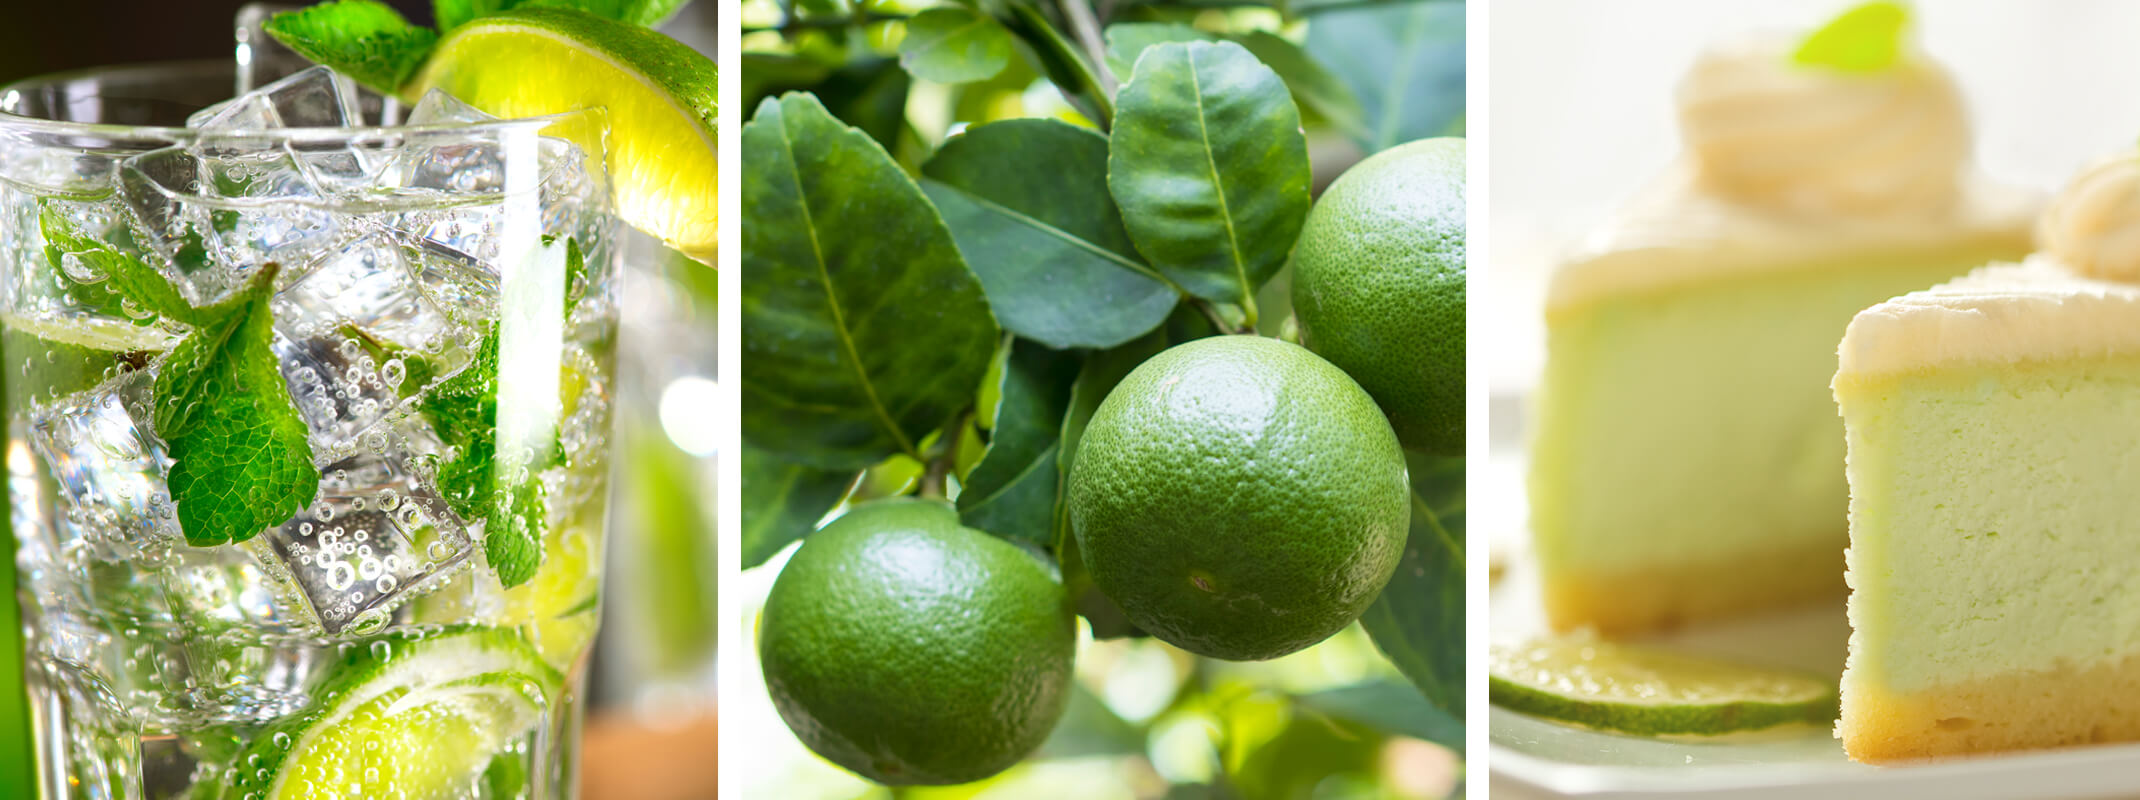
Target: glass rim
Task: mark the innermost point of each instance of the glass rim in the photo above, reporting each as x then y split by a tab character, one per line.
13	121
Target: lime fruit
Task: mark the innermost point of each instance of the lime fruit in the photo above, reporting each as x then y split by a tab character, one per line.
1650	692
1378	286
413	718
659	94
913	650
1239	497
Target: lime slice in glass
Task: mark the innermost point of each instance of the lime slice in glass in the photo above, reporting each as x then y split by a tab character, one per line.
404	719
659	94
1644	691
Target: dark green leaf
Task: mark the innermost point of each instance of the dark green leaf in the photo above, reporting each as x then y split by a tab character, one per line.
1315	88
1049	246
1405	63
950	44
1419	619
1012	493
782	502
1209	167
241	461
1390	706
366	39
864	331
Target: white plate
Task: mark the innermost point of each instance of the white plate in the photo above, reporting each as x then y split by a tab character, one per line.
1530	757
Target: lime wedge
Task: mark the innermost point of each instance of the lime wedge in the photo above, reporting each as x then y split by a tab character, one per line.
659	94
1643	691
403	719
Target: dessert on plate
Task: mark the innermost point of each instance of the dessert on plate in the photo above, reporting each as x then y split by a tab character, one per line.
1994	467
1686	460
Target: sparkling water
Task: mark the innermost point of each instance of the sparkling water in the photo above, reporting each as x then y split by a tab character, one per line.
166	669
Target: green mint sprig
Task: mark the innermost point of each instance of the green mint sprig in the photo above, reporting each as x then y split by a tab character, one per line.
372	43
463	409
365	39
1864	39
241	461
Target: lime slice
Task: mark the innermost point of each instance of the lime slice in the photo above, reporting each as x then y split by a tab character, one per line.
403	719
1643	691
659	94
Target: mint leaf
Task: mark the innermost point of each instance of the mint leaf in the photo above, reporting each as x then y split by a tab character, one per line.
512	538
365	39
1864	39
463	409
241	460
126	276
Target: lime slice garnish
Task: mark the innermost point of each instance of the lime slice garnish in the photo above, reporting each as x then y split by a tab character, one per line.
1644	691
403	719
659	94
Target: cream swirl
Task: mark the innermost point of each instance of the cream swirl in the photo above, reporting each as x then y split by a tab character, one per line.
2093	227
1764	130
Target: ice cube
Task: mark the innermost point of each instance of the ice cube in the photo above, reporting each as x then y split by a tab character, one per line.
216	213
109	466
439	108
314	98
339	388
472	229
377	536
382	285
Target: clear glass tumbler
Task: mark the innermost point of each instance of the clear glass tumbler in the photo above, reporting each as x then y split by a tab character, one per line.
307	435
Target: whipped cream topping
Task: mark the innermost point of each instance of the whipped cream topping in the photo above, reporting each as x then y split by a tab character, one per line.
2094	225
1764	130
2037	310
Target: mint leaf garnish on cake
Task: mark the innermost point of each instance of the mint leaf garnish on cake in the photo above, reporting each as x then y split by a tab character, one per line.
241	459
1867	38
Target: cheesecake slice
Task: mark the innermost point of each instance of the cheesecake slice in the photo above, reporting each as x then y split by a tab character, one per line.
1994	465
1686	462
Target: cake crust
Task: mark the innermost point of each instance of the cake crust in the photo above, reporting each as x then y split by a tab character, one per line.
2016	711
1666	595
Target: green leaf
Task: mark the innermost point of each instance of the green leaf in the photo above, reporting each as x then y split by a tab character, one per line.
1128	40
1404	62
950	44
1048	246
1064	63
1314	87
463	409
1013	492
241	461
1389	706
366	39
1209	167
1864	39
864	330
512	537
783	501
1419	619
127	275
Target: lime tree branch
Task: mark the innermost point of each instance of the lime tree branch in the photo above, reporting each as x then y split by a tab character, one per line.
934	478
793	24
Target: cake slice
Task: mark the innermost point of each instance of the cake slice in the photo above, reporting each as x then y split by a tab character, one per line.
1994	466
1686	461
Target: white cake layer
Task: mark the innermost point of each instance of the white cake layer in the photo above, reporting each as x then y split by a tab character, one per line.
2002	314
1674	234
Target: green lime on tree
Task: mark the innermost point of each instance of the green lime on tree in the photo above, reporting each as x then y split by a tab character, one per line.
1378	286
1240	498
911	649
